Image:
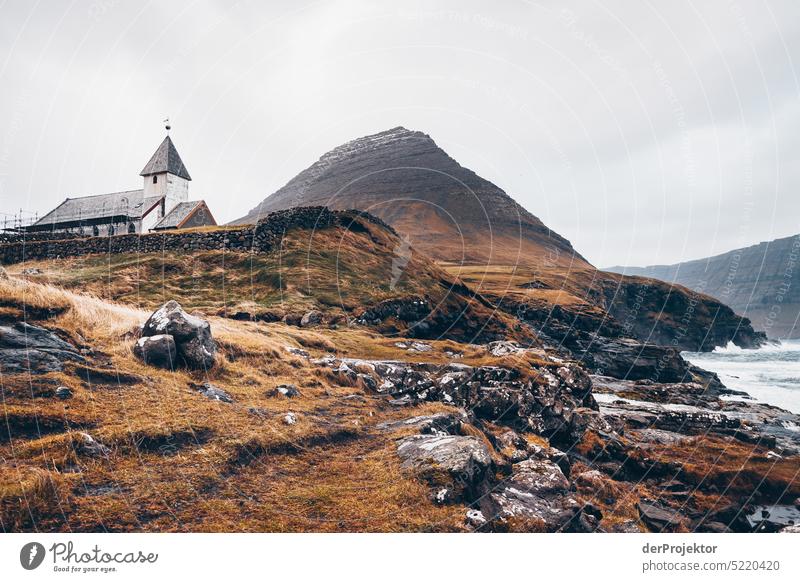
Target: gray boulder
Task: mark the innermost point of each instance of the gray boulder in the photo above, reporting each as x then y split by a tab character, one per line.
29	348
157	350
455	466
193	342
537	497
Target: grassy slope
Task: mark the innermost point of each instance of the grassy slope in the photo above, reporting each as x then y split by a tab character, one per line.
336	270
182	462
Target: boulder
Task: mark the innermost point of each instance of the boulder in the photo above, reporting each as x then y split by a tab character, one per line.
157	350
30	348
537	497
192	335
457	464
658	518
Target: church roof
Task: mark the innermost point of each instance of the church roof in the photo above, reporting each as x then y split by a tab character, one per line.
166	159
131	204
175	217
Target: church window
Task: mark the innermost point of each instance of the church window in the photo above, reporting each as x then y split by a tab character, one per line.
155	179
132	228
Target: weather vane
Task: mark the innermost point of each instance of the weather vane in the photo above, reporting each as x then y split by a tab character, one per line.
167	125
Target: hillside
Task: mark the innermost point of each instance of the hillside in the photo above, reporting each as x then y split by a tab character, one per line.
447	211
326	428
357	269
761	282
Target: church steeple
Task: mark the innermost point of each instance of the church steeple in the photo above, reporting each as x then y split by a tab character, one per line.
166	160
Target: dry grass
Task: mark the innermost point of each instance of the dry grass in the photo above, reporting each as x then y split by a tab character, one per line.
180	462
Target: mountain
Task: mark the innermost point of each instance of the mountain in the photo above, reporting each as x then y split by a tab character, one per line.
761	282
447	211
481	235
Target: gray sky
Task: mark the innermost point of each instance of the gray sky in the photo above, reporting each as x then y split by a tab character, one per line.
645	132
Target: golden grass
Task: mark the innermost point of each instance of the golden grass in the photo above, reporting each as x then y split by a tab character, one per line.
180	462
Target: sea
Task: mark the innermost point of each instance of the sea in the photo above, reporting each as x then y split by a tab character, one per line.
770	374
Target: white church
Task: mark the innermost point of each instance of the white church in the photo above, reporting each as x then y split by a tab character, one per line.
162	204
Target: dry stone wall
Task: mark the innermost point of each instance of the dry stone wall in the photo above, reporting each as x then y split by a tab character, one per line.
261	237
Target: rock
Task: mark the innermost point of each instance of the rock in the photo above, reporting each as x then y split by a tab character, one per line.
658	518
29	348
90	447
297	352
512	446
288	390
31	271
157	350
457	463
633	360
437	424
199	352
63	392
311	318
3	274
537	497
212	392
290	418
420	347
552	407
192	335
475	518
503	348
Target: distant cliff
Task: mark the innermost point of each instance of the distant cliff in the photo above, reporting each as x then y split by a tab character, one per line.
761	282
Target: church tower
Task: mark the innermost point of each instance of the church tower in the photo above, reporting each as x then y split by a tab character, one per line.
166	176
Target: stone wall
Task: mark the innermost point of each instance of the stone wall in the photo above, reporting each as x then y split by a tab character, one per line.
14	237
262	237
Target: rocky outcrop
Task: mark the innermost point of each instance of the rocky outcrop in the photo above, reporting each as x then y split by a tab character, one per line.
547	401
537	497
455	467
673	316
34	349
190	335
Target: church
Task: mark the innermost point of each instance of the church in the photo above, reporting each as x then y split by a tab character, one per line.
162	203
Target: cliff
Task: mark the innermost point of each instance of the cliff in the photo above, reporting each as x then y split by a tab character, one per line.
761	282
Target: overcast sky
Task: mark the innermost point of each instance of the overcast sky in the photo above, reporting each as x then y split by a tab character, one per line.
645	132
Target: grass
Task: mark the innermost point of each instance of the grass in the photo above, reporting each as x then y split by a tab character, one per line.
180	462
